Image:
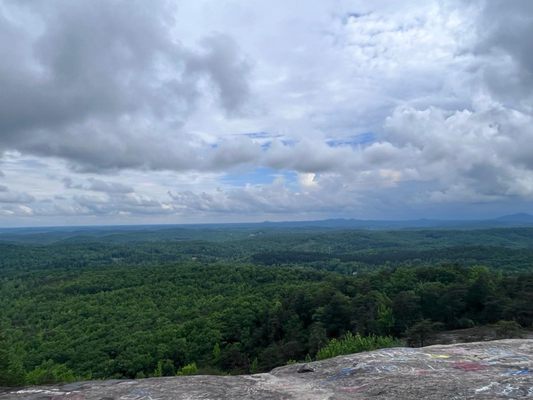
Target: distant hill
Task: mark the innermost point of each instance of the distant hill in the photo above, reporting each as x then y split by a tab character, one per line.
514	220
520	218
45	235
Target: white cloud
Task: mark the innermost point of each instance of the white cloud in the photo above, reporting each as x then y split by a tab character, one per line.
356	109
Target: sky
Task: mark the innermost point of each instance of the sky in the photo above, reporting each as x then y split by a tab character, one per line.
140	112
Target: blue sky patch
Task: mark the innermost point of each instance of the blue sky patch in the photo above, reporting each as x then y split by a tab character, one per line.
356	140
259	176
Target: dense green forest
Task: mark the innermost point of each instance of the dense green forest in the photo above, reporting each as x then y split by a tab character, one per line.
344	251
139	304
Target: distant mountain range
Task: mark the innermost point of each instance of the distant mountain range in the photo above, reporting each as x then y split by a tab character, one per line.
513	220
45	234
518	218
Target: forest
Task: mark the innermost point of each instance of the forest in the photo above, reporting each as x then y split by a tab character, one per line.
161	302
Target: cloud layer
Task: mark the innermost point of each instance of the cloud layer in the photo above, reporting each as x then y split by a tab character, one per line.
202	111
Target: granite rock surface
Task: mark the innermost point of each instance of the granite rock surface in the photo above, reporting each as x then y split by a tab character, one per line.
484	370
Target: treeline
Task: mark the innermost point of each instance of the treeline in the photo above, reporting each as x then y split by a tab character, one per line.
62	323
344	252
495	257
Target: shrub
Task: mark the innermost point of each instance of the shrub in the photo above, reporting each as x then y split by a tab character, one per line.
465	323
418	334
189	369
50	372
508	329
351	343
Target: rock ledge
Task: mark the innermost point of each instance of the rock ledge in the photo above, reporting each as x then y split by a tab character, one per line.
500	369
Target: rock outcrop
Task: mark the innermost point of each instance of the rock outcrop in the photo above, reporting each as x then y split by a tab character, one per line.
484	370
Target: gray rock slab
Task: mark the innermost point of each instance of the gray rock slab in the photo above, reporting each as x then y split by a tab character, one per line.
500	369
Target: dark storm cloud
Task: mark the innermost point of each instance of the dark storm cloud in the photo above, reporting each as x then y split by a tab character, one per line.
102	83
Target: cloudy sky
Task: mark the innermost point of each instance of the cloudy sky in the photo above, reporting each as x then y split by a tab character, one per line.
130	111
